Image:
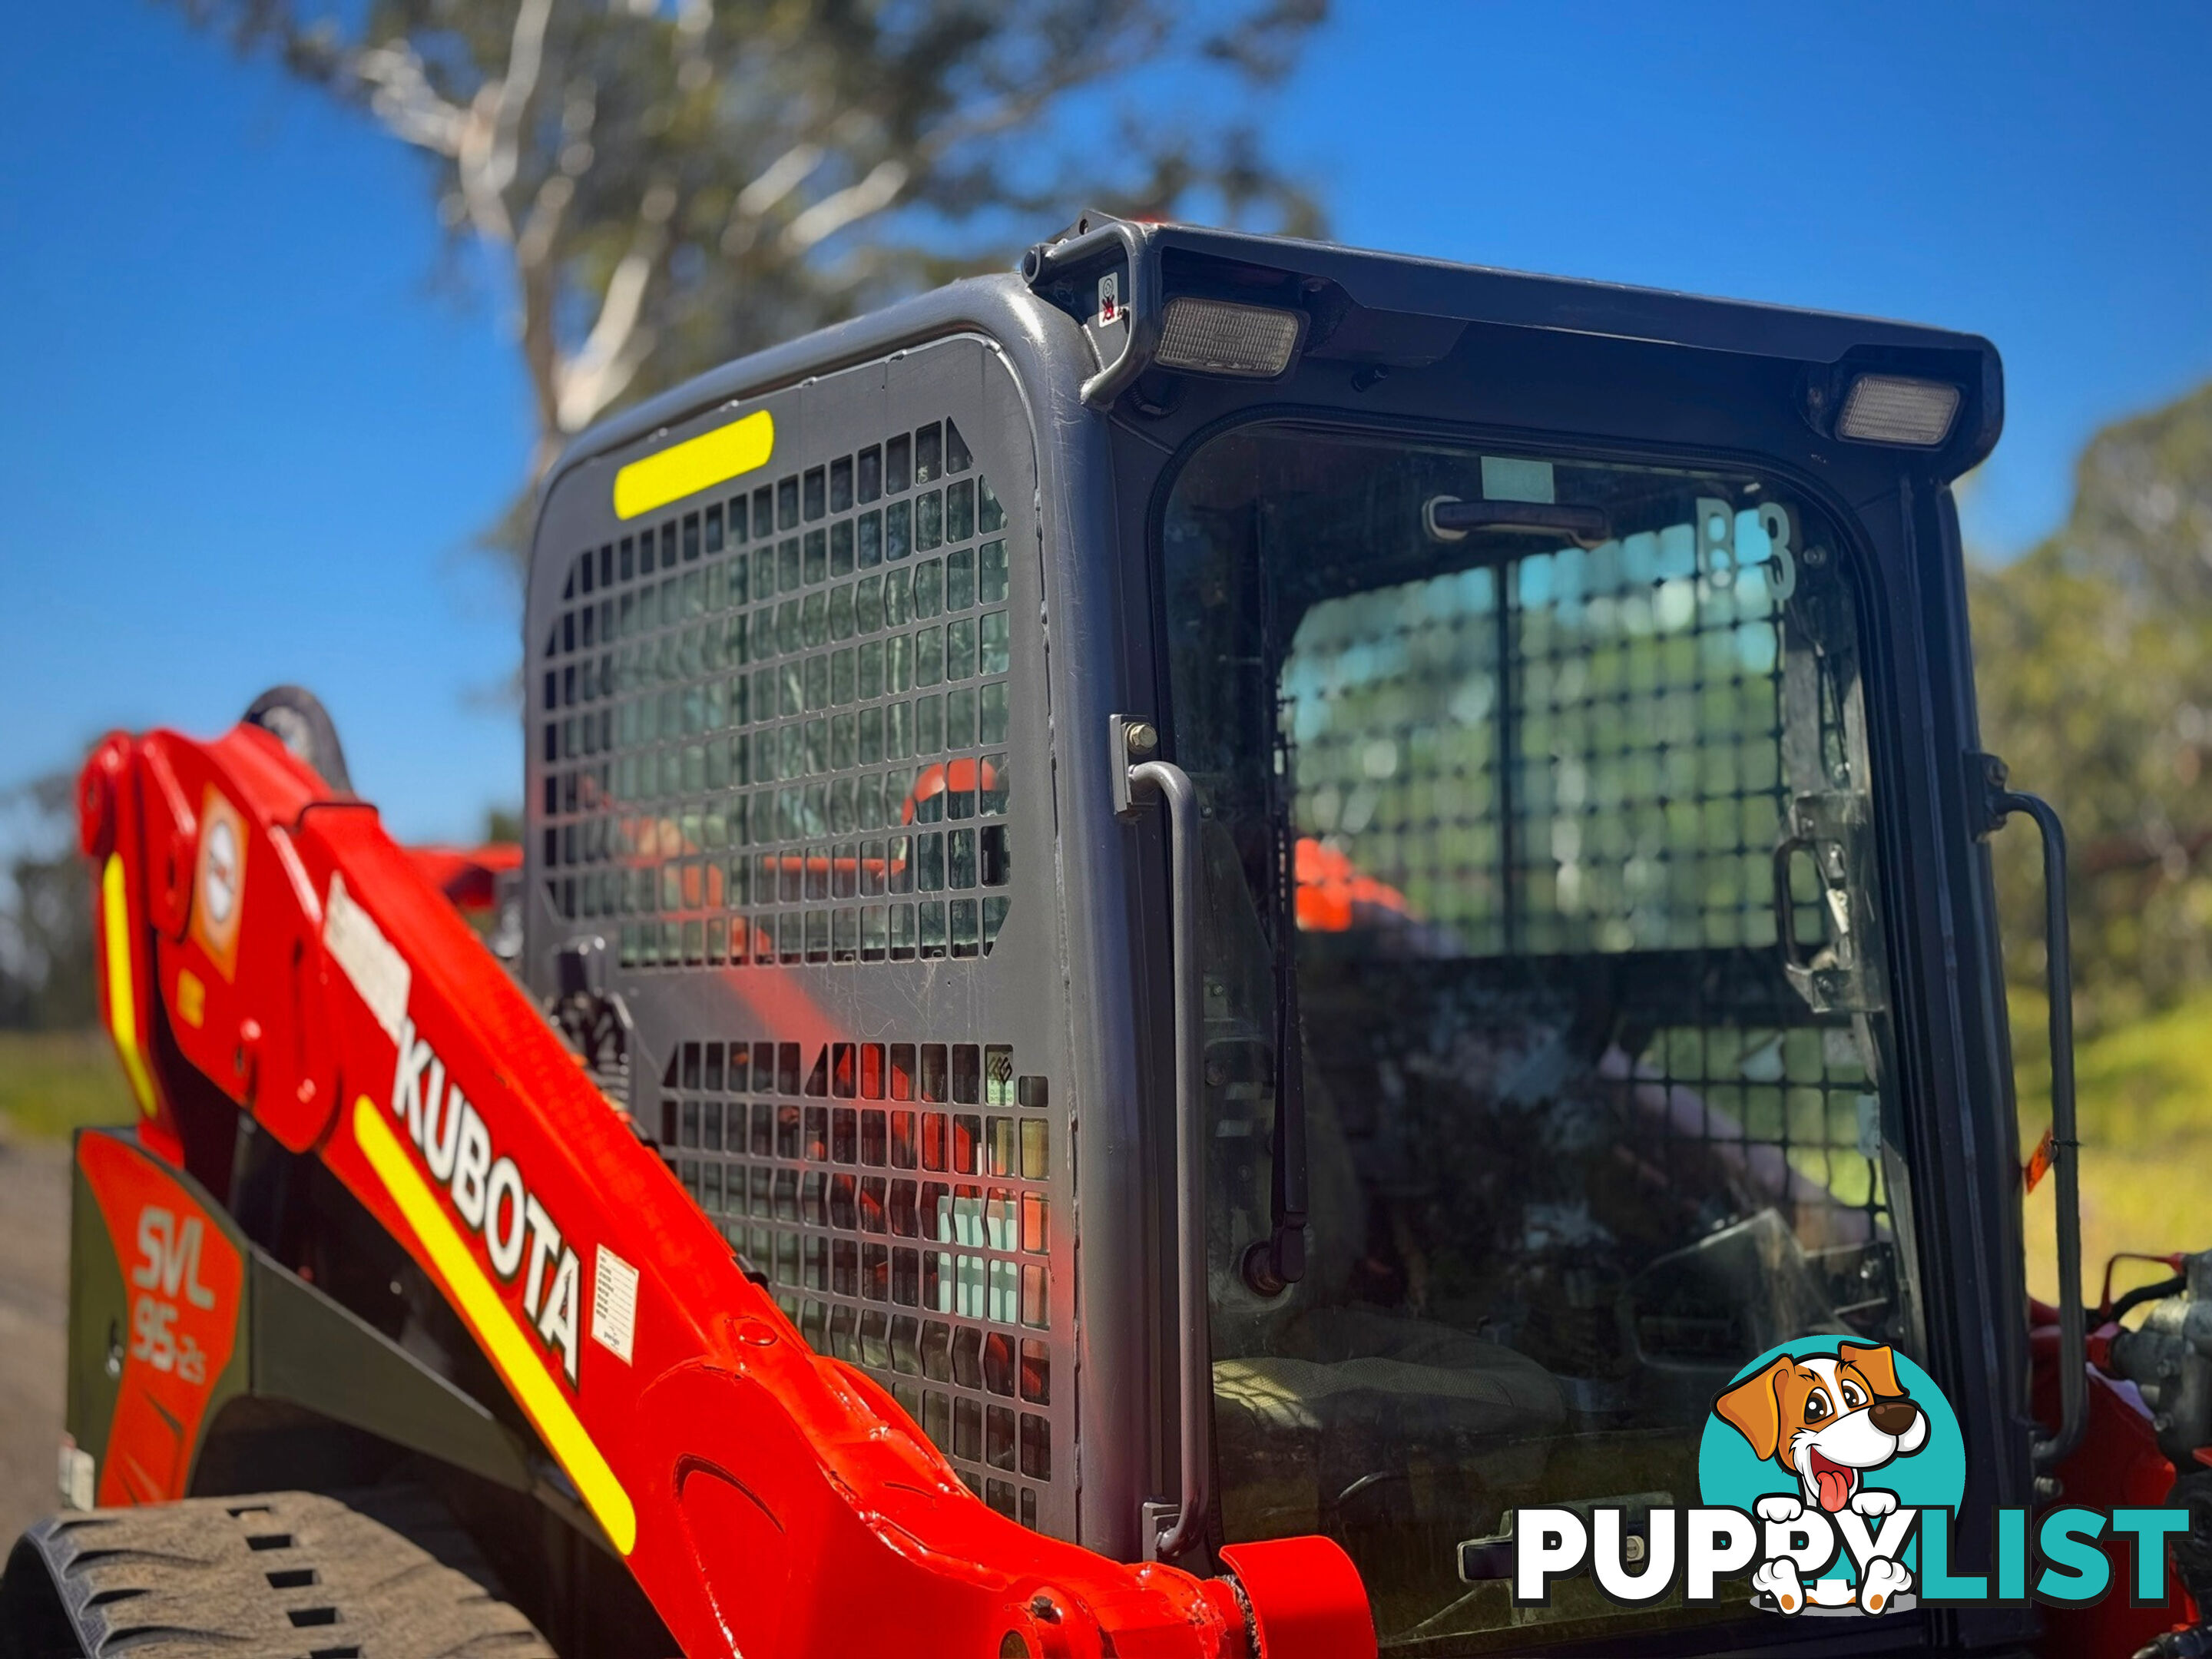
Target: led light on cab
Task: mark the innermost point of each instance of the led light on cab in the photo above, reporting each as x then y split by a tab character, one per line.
1890	408
1219	336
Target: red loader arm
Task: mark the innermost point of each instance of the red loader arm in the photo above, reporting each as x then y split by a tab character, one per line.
468	877
262	938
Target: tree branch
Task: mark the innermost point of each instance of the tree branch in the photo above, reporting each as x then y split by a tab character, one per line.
849	206
535	245
698	221
596	375
482	139
510	98
1018	107
780	178
401	97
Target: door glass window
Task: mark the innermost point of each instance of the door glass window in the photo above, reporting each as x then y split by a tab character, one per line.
1504	760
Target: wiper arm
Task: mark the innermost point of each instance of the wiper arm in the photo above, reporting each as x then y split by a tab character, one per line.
1277	1261
1271	1265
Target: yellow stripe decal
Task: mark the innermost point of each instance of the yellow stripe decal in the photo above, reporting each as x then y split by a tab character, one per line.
122	994
502	1339
695	464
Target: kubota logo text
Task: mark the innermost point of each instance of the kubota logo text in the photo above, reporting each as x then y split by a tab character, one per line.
490	1195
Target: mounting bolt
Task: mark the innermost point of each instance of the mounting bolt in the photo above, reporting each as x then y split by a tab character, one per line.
1130	743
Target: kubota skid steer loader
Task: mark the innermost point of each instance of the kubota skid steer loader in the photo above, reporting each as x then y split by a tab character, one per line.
1197	928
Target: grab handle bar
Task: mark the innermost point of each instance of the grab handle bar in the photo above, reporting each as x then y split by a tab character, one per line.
1142	779
2047	1451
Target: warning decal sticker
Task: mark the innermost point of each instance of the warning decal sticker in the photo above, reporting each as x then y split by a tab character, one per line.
614	1303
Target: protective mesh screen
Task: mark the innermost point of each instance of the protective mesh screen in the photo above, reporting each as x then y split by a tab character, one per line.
774	727
895	1197
1620	789
1582	751
774	734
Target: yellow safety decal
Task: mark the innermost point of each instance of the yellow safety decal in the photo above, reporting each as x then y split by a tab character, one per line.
695	464
480	1305
122	994
191	999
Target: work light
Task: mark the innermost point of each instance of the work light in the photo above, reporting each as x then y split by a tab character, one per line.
1219	336
1889	409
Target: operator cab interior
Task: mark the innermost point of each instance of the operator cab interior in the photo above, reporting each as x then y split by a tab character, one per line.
1537	888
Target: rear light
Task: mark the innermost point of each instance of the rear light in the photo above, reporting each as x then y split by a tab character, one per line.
1888	409
1218	336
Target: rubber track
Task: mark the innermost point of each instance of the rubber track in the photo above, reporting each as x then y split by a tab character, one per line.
287	1574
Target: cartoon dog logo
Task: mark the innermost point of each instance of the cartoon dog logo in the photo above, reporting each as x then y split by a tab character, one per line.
1828	1420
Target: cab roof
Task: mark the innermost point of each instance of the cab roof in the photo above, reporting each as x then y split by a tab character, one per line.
1405	283
1388	309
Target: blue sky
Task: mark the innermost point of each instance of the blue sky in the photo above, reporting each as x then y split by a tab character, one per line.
247	435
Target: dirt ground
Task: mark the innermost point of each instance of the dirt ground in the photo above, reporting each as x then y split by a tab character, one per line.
33	1316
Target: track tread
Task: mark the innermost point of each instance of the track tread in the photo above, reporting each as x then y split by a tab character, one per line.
389	1576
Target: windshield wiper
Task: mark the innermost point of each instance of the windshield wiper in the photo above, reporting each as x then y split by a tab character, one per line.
1277	1261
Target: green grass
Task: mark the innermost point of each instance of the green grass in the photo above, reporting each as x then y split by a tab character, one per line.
2145	1093
52	1082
